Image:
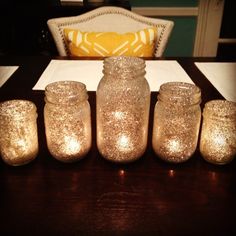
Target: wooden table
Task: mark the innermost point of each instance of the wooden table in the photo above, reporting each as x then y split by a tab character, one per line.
96	197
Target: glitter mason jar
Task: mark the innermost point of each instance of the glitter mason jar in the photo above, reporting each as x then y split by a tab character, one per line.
177	117
67	120
123	102
18	132
218	135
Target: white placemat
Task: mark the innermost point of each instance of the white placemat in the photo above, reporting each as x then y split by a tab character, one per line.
6	72
89	72
222	75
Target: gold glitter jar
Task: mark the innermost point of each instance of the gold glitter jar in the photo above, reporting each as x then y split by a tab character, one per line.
67	120
218	135
177	117
18	132
123	102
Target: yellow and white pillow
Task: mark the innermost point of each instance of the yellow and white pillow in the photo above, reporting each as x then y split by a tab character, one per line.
103	44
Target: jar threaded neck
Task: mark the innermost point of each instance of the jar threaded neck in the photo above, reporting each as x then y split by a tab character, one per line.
180	93
19	109
63	92
124	67
220	109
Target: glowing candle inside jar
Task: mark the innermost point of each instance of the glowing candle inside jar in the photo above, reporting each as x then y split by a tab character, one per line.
218	139
72	145
21	145
16	149
214	146
176	123
119	115
18	132
122	105
175	149
174	145
67	120
124	143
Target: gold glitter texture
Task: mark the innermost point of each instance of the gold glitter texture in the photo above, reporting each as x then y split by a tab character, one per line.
218	135
177	117
67	119
123	102
18	132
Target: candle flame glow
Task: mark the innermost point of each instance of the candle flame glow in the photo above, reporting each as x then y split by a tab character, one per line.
123	143
21	142
219	140
174	145
72	145
118	115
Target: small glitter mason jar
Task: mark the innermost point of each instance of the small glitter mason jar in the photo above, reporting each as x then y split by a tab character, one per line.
177	117
67	120
218	134
18	132
123	102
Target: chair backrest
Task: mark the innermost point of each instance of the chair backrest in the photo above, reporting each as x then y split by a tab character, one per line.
109	19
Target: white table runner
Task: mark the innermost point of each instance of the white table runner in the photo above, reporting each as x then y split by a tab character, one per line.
89	72
6	72
222	75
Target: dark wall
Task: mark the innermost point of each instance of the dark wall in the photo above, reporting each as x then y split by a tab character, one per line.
23	24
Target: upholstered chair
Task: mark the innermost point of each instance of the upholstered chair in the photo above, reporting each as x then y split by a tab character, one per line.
109	19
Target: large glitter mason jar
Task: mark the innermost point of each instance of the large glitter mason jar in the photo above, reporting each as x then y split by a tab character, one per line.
218	134
18	132
67	120
123	102
177	117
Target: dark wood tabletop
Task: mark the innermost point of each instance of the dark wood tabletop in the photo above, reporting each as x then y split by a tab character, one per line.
96	197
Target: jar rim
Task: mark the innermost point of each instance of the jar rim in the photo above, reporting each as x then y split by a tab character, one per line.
17	108
66	91
124	59
182	92
220	108
128	67
172	86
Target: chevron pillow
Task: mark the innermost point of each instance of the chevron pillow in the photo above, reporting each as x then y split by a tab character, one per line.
103	44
